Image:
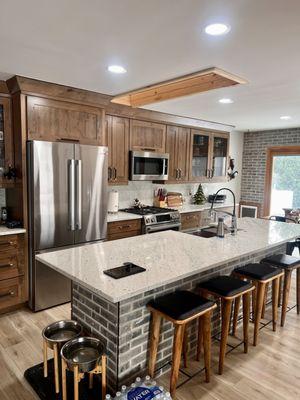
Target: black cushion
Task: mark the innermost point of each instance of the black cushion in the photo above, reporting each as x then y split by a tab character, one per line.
181	304
282	261
258	271
226	286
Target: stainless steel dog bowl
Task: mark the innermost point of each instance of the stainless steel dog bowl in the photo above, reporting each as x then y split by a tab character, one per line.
85	352
61	332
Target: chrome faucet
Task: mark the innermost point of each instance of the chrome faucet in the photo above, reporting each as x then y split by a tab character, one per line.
233	227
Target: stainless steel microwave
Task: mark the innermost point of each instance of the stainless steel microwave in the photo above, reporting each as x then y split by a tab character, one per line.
148	166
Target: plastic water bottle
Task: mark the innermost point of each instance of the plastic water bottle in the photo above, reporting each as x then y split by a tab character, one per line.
168	396
124	389
147	382
118	396
108	397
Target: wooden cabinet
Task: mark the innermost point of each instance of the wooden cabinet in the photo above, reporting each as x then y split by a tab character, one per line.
6	141
12	271
59	120
208	156
190	220
117	137
122	229
147	136
177	145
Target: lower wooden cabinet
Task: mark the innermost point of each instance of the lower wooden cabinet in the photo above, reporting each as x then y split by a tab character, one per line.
122	229
190	220
12	273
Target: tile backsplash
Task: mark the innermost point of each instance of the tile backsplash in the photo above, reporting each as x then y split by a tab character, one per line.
2	198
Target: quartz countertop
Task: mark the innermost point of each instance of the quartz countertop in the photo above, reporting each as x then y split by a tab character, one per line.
7	231
124	216
167	256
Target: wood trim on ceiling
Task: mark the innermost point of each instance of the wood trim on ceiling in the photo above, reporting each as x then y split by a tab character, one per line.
198	82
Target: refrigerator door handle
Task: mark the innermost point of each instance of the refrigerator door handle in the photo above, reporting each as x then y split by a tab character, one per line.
71	194
78	169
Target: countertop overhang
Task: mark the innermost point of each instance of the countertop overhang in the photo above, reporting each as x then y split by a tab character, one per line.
167	256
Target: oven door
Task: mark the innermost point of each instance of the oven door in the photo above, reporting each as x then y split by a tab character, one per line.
163	227
149	166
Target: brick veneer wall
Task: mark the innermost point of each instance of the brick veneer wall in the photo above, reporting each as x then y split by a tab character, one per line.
124	327
254	159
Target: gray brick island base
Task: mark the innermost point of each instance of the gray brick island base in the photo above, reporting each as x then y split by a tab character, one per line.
124	326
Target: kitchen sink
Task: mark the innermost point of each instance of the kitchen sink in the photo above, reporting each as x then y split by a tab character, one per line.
208	232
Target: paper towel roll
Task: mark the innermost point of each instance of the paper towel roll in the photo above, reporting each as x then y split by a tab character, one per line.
113	202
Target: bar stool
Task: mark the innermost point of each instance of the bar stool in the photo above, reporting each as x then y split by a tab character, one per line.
55	336
180	308
228	289
83	355
261	275
288	264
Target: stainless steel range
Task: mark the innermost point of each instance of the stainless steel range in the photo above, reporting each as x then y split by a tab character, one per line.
156	219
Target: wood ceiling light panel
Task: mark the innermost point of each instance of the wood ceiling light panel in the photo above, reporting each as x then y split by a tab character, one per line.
202	81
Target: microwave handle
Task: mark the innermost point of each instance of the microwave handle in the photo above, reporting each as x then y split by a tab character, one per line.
165	166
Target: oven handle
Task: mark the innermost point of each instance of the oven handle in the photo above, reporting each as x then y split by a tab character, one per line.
162	227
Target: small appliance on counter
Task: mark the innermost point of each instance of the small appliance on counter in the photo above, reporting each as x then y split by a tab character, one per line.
113	202
220	198
3	215
174	199
13	224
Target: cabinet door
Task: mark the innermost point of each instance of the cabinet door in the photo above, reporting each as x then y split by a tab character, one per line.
6	140
220	151
59	120
118	145
171	149
199	156
147	136
182	146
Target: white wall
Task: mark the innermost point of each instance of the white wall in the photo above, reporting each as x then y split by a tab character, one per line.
144	190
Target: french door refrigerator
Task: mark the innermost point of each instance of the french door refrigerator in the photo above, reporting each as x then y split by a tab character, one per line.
67	197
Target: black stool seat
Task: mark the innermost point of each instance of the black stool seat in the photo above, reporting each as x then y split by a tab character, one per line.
226	286
258	271
181	304
282	261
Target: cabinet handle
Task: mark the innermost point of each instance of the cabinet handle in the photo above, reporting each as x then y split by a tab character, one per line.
7	265
124	226
109	173
180	173
148	149
176	175
10	243
68	140
8	294
115	174
212	173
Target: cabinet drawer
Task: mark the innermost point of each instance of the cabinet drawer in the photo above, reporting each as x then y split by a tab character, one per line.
9	245
11	292
124	226
190	220
122	235
9	267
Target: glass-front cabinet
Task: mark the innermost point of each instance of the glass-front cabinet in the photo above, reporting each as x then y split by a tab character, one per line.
208	156
6	142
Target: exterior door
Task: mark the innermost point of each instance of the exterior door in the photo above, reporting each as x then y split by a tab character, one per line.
91	165
49	180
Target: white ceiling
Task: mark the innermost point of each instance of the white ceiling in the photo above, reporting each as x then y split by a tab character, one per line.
73	41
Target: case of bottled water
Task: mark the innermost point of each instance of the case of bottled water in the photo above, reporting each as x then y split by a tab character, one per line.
145	389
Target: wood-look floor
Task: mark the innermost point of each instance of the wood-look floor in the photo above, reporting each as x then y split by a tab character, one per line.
271	371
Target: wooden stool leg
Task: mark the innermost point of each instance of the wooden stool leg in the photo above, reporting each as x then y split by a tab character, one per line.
200	338
45	358
298	289
91	378
258	309
56	370
154	339
64	379
254	295
237	303
246	317
280	289
275	295
185	347
265	301
177	348
103	375
286	293
226	310
206	318
76	381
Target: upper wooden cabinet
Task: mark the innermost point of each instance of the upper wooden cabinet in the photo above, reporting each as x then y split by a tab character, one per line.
59	120
6	141
147	136
208	156
117	136
177	145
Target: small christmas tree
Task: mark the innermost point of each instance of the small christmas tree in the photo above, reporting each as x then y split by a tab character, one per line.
199	197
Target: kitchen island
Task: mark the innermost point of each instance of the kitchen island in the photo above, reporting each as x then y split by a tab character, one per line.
115	310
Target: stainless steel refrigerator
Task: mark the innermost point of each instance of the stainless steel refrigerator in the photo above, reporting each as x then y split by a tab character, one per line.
67	193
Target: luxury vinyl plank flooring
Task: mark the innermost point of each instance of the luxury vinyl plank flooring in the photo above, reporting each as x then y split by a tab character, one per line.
271	371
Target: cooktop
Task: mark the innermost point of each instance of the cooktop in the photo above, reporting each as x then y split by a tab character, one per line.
147	210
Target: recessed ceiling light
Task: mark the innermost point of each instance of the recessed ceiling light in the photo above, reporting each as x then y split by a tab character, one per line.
117	69
225	101
217	29
285	117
